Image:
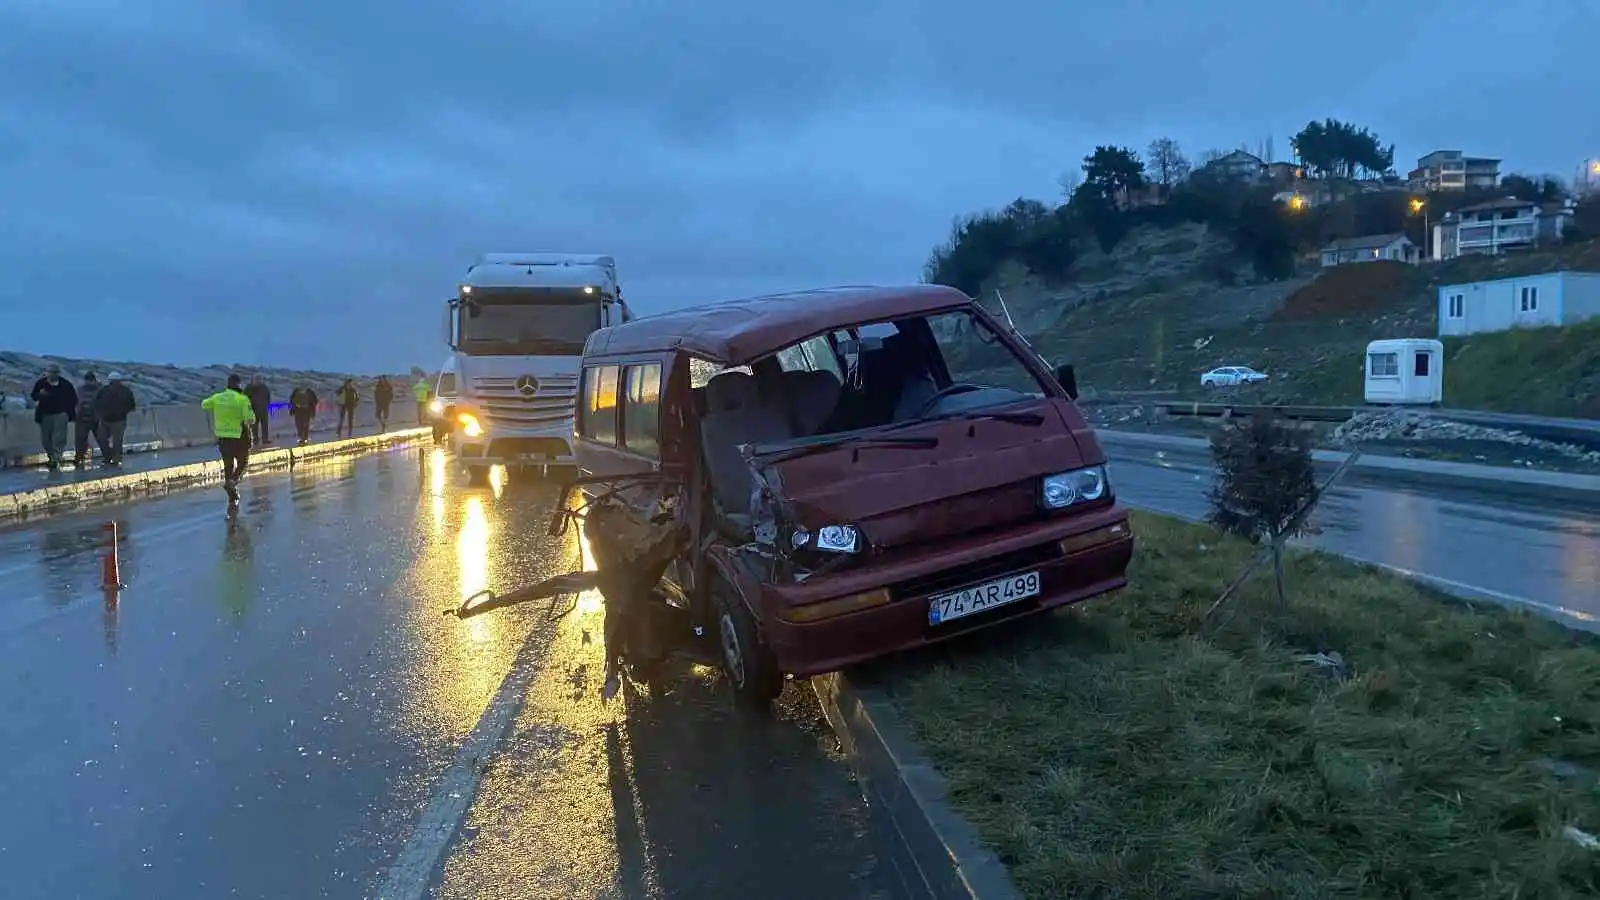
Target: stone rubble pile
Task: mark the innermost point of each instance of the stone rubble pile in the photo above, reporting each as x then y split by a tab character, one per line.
1405	425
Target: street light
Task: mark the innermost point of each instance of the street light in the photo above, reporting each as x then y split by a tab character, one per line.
1420	207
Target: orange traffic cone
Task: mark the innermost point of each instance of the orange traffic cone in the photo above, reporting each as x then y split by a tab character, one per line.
111	564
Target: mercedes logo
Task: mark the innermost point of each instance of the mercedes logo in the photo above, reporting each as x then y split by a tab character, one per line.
527	385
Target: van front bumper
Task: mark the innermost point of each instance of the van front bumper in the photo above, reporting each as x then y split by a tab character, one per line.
1077	557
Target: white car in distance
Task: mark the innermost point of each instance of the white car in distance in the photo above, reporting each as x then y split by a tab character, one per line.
1231	376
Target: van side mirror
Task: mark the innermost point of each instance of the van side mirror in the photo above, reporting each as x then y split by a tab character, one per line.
1068	378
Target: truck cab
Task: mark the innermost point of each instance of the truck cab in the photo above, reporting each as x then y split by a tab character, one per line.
516	329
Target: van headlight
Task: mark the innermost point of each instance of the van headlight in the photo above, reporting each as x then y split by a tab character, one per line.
828	539
436	407
1084	485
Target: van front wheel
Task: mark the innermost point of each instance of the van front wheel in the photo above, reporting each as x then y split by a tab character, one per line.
746	659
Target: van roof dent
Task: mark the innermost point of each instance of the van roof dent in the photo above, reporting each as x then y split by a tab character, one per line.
738	332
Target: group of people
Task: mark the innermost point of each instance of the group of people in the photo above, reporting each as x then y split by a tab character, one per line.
96	412
240	416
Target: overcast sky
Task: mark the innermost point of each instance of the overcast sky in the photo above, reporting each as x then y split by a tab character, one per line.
192	181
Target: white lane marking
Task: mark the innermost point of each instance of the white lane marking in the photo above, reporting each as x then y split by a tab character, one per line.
412	873
1459	589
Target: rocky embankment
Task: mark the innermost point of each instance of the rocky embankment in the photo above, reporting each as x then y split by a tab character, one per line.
1412	427
156	385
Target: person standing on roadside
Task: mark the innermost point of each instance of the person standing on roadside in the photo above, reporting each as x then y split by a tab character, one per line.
112	407
420	389
349	399
382	397
260	403
55	405
86	425
231	414
303	407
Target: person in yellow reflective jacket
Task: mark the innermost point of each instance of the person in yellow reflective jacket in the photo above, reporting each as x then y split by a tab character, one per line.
421	390
231	421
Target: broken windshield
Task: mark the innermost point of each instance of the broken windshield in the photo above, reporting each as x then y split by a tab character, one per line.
855	380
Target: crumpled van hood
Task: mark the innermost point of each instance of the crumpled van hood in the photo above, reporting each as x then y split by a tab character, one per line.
983	474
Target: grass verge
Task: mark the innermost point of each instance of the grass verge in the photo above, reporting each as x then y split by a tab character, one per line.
1111	751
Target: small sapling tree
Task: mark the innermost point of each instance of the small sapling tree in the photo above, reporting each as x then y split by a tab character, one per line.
1265	485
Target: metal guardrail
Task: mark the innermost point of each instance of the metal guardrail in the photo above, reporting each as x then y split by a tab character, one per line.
1582	432
1225	410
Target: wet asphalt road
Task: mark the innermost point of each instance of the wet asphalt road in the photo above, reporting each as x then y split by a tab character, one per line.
1498	544
268	708
17	479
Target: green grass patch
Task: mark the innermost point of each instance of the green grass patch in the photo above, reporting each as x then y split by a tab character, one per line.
1112	751
1547	371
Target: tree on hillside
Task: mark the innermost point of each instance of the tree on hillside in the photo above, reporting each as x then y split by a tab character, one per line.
1265	233
1586	220
1336	149
1112	171
1027	230
1538	189
1167	164
1069	182
977	245
1208	157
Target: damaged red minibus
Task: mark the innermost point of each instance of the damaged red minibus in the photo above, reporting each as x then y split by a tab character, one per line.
858	471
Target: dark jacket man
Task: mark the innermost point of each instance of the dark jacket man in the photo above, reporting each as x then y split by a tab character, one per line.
112	407
303	407
260	397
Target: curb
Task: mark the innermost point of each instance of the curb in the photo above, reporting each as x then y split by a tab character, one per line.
935	852
60	497
1556	485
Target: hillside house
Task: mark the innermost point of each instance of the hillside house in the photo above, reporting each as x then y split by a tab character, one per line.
1531	301
1283	172
1452	170
1347	251
1236	166
1498	226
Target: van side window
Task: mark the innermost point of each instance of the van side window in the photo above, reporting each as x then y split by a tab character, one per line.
600	404
641	415
811	355
701	371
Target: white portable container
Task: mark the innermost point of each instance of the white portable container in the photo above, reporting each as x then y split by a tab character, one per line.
1405	371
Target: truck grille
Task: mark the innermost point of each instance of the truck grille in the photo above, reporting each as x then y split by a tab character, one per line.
506	402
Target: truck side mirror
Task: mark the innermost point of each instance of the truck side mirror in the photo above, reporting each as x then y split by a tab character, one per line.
1068	378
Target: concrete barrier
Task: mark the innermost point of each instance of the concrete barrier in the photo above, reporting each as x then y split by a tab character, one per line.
62	497
934	851
178	425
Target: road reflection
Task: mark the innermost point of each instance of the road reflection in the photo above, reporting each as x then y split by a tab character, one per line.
236	570
1515	550
467	542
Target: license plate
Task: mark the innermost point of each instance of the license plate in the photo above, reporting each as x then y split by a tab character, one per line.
979	597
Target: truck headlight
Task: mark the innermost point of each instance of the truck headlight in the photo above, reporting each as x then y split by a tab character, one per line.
470	426
1084	485
829	539
436	407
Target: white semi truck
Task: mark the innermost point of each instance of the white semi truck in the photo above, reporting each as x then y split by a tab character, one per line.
516	329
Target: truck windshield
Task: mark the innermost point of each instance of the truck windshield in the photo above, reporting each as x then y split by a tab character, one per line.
523	321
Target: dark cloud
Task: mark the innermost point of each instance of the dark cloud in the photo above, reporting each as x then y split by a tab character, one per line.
221	180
